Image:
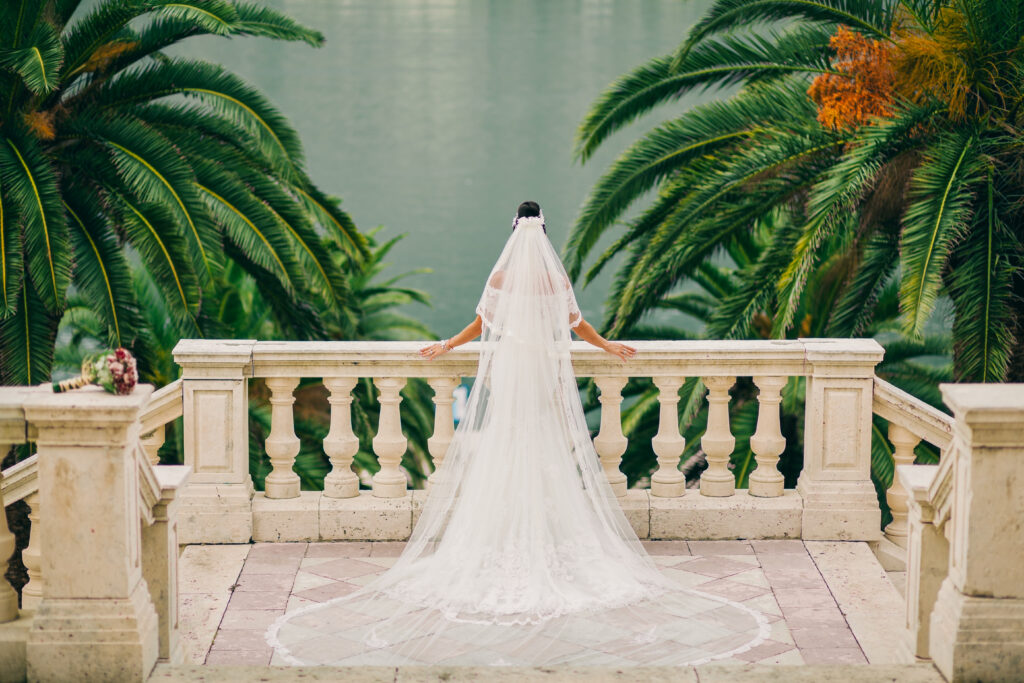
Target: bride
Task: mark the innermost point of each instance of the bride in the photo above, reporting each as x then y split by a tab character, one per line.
522	554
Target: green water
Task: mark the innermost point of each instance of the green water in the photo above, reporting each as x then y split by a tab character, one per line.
435	118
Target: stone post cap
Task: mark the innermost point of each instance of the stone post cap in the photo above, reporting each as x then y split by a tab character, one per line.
209	357
12	411
993	413
856	357
918	480
87	415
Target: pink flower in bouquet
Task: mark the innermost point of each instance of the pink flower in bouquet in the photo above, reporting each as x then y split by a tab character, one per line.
115	371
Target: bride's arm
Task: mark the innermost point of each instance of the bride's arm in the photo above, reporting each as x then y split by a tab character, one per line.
469	333
587	333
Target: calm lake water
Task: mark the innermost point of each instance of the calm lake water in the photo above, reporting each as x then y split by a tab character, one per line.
435	118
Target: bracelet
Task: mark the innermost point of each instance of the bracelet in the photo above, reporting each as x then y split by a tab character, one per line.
444	345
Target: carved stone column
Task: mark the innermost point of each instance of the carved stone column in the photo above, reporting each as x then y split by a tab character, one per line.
444	425
282	444
718	442
767	443
31	556
96	621
390	443
341	443
668	443
610	443
903	443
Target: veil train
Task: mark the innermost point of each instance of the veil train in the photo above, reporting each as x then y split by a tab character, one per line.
522	554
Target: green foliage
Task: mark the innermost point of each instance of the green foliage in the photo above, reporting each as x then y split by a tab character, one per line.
117	159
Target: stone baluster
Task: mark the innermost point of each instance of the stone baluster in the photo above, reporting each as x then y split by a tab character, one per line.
389	444
282	444
977	624
718	442
610	443
151	444
341	443
96	621
840	503
8	597
668	444
767	443
903	445
444	425
216	506
31	556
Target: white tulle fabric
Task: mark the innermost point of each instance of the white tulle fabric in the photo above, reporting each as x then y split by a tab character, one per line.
522	554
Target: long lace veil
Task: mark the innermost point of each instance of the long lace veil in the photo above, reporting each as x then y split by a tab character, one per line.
521	554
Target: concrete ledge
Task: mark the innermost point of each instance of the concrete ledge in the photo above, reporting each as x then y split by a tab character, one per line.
286	519
365	518
697	517
13	635
215	513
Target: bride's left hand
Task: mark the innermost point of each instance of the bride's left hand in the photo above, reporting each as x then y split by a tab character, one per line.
432	351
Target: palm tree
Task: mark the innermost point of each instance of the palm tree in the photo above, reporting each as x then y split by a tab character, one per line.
114	153
883	137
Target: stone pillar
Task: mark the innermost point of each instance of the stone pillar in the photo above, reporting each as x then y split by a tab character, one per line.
927	554
341	443
444	425
216	506
718	442
160	559
390	443
903	445
96	621
610	443
31	556
977	625
767	443
840	503
282	444
668	443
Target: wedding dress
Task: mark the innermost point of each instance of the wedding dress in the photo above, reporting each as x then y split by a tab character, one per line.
522	554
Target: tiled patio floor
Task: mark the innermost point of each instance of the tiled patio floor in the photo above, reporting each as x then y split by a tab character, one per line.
827	602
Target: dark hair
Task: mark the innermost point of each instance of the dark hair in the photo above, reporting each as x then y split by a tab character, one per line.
528	210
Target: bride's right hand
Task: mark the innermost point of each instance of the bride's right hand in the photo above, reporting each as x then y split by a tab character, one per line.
619	349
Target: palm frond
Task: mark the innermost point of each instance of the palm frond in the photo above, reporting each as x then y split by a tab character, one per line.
11	263
26	340
37	63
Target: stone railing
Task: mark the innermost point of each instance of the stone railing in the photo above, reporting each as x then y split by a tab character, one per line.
965	580
834	498
101	601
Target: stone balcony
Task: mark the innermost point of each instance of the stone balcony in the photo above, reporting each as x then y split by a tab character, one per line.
781	548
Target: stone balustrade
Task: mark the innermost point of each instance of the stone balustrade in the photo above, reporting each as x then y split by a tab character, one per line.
101	602
835	498
965	582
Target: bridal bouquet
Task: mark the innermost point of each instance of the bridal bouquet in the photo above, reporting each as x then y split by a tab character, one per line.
114	370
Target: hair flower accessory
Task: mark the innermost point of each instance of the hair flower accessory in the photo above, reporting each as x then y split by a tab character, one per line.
529	221
114	370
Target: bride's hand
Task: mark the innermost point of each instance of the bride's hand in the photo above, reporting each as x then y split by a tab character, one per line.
621	350
432	351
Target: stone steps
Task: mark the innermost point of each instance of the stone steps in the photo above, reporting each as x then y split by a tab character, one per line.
707	673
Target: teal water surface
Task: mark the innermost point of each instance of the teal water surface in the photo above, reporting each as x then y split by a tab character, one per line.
435	118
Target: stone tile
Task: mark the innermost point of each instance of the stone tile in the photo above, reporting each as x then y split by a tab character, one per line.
344	568
295	602
765	604
813	617
717	567
752	577
803	597
239	657
199	615
666	547
383	562
769	648
265	582
779	632
261	600
306	580
824	637
787	658
833	655
732	590
786	561
241	639
264	550
339	549
387	548
795	577
720	548
249	618
778	547
334	589
277	565
210	568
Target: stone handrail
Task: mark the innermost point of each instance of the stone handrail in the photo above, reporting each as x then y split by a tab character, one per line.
103	545
911	421
835	489
965	586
